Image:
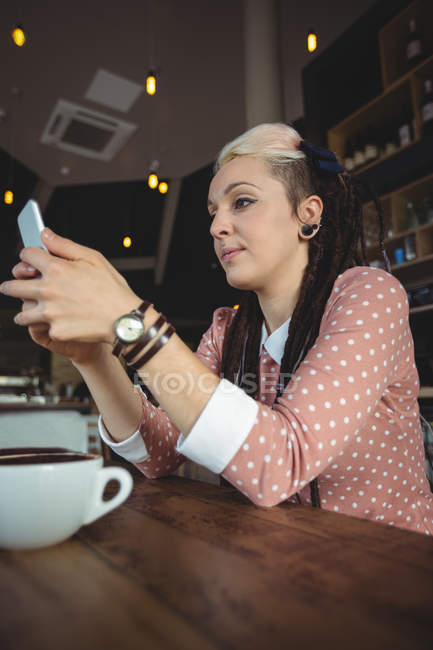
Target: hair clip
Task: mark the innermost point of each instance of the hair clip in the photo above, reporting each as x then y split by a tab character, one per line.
322	158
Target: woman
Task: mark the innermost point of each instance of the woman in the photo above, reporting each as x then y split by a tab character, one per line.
325	411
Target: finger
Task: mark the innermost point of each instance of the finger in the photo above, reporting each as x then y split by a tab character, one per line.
23	270
24	289
38	328
28	304
66	248
29	317
35	257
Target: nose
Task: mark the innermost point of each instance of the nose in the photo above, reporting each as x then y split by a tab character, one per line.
221	225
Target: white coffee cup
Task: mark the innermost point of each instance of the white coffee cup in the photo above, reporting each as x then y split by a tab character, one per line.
46	496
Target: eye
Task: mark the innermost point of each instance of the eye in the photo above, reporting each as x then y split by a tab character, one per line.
242	202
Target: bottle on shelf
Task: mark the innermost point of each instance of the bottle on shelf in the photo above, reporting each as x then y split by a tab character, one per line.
426	210
349	162
414	53
358	154
411	216
390	142
426	108
371	150
405	131
381	141
399	255
410	247
415	133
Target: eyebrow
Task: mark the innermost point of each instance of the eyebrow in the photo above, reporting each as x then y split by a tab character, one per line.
232	186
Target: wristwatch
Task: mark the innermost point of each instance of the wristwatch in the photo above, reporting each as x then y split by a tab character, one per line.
129	328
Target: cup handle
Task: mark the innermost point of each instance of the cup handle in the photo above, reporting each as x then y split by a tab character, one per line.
98	507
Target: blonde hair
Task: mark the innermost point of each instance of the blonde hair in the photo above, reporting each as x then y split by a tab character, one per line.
277	145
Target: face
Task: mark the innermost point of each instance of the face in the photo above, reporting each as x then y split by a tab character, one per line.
251	212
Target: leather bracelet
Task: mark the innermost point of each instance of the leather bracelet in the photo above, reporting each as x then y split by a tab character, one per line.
145	339
140	311
154	349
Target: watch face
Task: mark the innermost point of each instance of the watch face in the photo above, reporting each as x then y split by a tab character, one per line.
129	328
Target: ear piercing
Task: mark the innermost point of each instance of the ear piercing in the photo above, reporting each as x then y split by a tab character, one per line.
308	230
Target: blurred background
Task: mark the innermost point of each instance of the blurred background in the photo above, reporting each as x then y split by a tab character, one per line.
82	132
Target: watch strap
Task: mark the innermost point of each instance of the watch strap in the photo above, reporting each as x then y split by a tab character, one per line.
139	311
145	338
154	349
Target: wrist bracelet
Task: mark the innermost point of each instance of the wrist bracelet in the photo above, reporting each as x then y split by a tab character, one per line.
163	339
145	339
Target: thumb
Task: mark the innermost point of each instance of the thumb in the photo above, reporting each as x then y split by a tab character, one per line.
65	248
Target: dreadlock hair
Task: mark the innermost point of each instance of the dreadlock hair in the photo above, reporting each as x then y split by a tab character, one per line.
331	251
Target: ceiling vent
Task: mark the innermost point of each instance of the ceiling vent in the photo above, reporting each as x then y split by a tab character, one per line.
86	132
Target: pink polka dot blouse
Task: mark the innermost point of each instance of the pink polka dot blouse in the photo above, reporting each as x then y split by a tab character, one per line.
349	416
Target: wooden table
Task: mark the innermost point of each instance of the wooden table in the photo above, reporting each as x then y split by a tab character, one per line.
194	566
25	407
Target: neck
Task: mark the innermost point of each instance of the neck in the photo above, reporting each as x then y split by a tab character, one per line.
278	302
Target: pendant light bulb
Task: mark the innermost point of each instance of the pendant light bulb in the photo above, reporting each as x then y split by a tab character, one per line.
9	197
18	36
127	242
152	181
311	40
151	83
163	187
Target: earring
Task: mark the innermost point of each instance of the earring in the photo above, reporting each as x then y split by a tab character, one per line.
307	230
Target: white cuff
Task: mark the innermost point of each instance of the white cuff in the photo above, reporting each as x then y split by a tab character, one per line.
133	448
221	428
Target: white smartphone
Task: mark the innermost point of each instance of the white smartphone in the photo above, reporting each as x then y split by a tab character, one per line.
31	224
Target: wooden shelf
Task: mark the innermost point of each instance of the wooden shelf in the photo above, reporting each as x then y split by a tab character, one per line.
392	40
402	235
417	260
389	174
421	308
425	392
381	159
402	91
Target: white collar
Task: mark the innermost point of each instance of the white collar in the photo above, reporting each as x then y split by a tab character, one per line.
275	342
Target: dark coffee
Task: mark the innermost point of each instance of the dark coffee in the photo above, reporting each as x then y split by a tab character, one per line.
40	455
7	451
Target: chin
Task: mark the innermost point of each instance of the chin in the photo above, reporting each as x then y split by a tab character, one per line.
244	284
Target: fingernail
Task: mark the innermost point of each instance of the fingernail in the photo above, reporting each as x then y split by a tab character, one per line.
29	268
4	287
17	318
47	233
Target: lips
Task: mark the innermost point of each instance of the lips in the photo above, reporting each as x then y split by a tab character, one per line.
229	253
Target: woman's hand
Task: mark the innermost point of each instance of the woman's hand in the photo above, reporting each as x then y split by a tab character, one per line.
79	353
77	296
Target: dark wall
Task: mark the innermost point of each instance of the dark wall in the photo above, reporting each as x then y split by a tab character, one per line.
23	183
100	216
195	280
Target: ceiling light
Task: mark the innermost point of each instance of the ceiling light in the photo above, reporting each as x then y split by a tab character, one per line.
152	181
151	83
311	40
9	197
163	187
18	36
127	242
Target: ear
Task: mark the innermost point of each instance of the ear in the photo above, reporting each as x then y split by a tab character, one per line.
310	209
